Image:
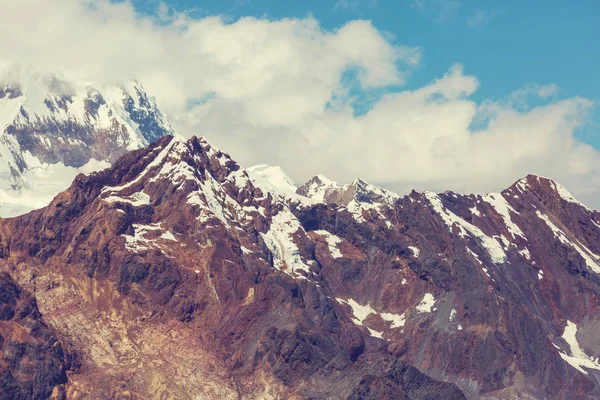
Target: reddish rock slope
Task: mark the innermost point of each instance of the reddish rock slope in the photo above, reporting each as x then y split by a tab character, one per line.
175	274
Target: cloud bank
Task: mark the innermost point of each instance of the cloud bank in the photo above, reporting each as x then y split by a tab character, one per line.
282	92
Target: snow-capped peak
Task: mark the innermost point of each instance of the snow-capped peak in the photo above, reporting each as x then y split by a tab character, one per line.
365	192
536	182
275	175
317	188
51	122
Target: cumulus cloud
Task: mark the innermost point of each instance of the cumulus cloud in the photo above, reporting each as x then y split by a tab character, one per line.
274	91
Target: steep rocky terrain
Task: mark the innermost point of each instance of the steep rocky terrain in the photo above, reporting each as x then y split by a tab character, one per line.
34	361
52	127
178	274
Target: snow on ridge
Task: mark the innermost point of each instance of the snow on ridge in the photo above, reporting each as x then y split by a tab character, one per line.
369	197
578	359
584	252
565	195
494	249
275	181
316	188
162	155
206	198
46	96
475	211
453	313
326	180
523	184
275	176
356	208
504	209
476	257
398	321
385	196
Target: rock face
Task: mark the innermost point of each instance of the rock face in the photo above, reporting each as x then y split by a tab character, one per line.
34	362
178	274
51	123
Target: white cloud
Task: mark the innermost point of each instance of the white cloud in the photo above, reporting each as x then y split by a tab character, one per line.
479	18
439	11
353	4
271	92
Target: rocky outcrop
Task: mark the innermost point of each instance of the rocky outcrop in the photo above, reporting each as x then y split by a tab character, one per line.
34	363
177	274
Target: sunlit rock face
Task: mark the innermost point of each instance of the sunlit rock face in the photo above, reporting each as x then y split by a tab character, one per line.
177	273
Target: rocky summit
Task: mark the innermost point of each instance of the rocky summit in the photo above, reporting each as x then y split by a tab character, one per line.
177	274
53	126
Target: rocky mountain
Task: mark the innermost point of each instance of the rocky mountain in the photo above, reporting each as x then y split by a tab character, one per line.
53	127
178	274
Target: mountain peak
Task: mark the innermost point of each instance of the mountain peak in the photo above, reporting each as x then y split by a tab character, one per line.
545	188
275	175
317	188
54	125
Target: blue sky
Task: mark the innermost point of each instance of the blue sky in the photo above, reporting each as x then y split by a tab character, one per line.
413	94
504	44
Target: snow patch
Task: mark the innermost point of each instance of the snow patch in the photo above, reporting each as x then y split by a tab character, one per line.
492	246
578	359
375	333
426	304
565	195
452	315
168	236
333	242
361	313
398	321
279	240
499	203
415	251
525	253
137	199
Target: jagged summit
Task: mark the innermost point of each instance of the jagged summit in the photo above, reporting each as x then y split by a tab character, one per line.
317	187
53	127
543	187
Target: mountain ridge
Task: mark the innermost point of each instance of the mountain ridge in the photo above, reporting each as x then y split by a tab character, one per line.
430	296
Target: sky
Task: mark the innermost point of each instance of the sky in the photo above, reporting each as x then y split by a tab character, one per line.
424	94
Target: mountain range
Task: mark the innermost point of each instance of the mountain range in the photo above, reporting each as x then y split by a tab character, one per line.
178	274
